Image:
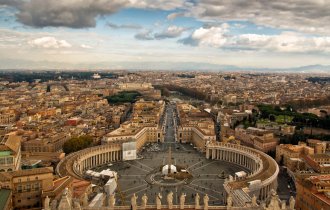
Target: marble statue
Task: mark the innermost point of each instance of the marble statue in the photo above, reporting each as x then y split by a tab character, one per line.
254	200
229	201
274	200
112	201
66	191
159	201
65	201
197	197
231	178
170	200
133	201
292	203
76	205
85	200
182	200
54	205
283	205
206	202
47	200
144	201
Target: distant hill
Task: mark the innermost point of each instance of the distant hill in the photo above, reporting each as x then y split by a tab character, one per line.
18	64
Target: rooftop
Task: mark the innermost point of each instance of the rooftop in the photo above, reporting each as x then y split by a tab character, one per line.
6	176
10	142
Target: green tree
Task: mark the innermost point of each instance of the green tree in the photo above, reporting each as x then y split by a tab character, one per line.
123	97
77	143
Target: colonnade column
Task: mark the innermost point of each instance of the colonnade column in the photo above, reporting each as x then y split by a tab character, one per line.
213	154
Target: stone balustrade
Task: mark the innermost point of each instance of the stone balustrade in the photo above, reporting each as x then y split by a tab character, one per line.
262	179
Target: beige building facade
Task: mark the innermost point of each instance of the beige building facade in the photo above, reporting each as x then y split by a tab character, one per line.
194	126
10	152
27	186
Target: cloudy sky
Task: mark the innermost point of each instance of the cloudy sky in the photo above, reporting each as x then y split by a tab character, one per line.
163	34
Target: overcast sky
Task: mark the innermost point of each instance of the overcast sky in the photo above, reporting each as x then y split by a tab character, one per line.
163	34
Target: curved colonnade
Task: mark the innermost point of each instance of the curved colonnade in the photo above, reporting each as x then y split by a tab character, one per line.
263	176
260	182
76	163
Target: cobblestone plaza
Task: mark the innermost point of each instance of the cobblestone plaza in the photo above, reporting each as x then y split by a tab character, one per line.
206	174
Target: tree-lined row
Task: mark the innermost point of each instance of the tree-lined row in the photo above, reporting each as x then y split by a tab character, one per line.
307	103
298	119
45	76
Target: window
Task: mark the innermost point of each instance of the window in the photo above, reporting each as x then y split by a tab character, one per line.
10	160
36	186
28	187
2	161
19	188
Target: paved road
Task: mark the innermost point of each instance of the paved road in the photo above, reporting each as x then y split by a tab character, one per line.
169	129
284	192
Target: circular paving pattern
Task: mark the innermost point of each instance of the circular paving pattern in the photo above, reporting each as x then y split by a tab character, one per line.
156	178
144	175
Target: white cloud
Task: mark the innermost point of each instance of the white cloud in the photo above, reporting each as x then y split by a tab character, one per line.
72	13
157	4
284	42
85	46
144	35
170	32
308	16
174	15
49	42
287	42
214	36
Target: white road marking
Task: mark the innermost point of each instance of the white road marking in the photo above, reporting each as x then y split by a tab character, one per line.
203	166
144	165
194	164
138	167
132	188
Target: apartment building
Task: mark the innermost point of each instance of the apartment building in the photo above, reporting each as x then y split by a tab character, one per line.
313	193
27	186
10	152
195	126
260	139
49	143
144	126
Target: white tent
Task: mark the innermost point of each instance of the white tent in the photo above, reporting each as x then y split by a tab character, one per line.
240	174
165	169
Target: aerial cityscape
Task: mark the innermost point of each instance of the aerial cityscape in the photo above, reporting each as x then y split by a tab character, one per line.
164	104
